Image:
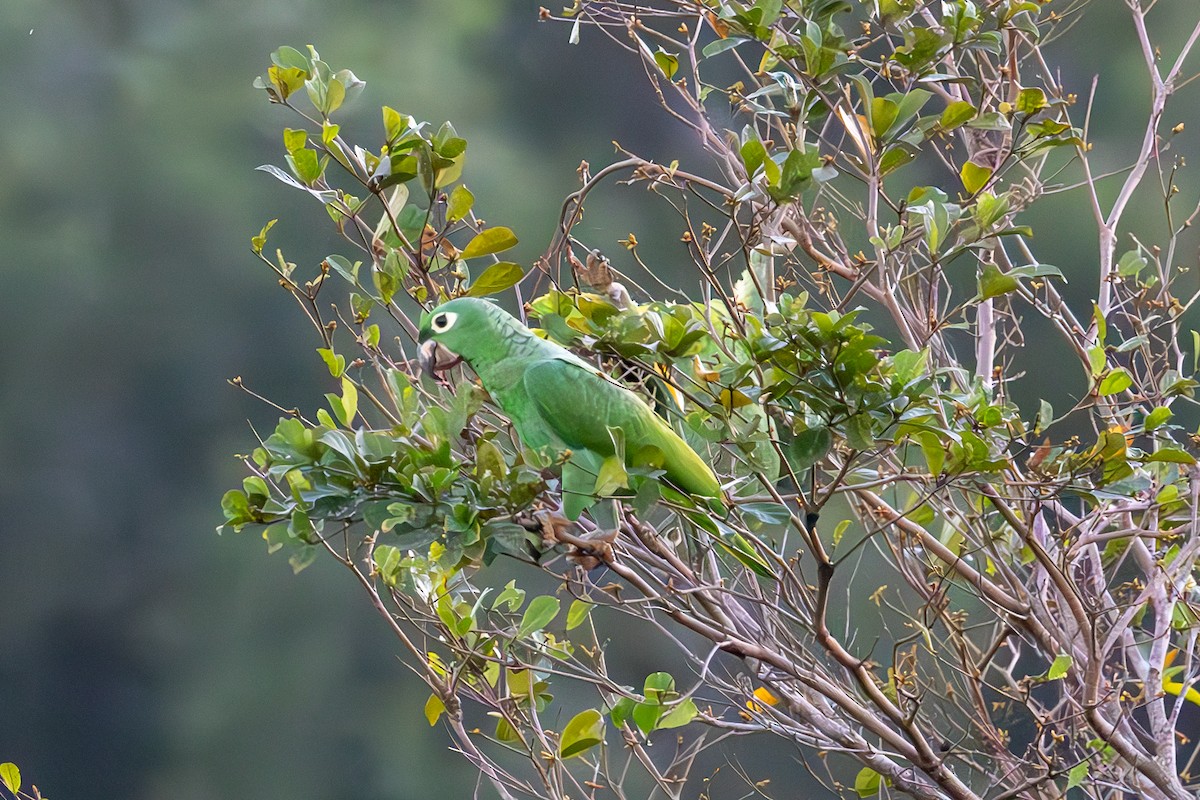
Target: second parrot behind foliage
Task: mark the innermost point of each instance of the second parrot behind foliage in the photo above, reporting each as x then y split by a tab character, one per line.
557	401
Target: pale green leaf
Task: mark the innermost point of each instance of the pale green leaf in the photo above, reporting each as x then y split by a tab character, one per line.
257	243
683	713
583	732
1077	775
1058	669
496	278
492	240
460	203
612	477
1031	100
510	596
335	363
1116	381
1157	418
867	782
11	776
578	613
668	63
957	113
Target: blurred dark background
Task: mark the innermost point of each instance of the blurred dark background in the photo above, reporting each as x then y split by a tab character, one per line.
141	655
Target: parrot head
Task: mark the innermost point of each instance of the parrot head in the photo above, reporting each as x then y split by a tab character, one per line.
453	330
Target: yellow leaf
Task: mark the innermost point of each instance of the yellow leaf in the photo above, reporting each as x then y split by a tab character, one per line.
974	176
732	398
764	697
702	372
434	708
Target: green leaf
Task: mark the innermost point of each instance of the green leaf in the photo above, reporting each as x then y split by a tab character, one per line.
345	408
646	716
683	713
1130	264
1171	455
342	266
583	732
993	282
1116	381
621	711
1097	360
1044	418
612	476
896	157
933	447
659	687
236	507
1031	100
753	155
11	776
957	113
290	58
578	613
1077	775
1157	418
718	46
859	432
766	513
910	365
492	240
460	203
1058	669
809	447
394	123
1101	324
335	363
294	139
434	708
541	611
257	243
496	278
740	548
305	165
989	208
794	175
302	559
974	176
867	782
510	595
387	561
667	62
883	116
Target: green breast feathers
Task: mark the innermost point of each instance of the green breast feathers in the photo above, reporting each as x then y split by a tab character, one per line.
558	401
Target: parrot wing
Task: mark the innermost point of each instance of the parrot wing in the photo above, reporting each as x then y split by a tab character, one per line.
580	403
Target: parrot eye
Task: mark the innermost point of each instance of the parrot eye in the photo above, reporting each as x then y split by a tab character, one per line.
443	321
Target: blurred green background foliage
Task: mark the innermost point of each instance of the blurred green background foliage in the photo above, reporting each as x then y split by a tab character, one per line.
140	655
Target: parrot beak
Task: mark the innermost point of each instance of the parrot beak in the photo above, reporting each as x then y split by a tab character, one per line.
434	358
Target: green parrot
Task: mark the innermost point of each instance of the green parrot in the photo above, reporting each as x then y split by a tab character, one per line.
559	402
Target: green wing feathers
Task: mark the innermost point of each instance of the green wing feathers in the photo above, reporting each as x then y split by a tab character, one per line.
580	405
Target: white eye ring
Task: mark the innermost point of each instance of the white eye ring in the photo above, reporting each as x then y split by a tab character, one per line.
443	321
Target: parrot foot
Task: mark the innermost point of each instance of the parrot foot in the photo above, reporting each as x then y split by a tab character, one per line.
555	528
594	551
587	550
